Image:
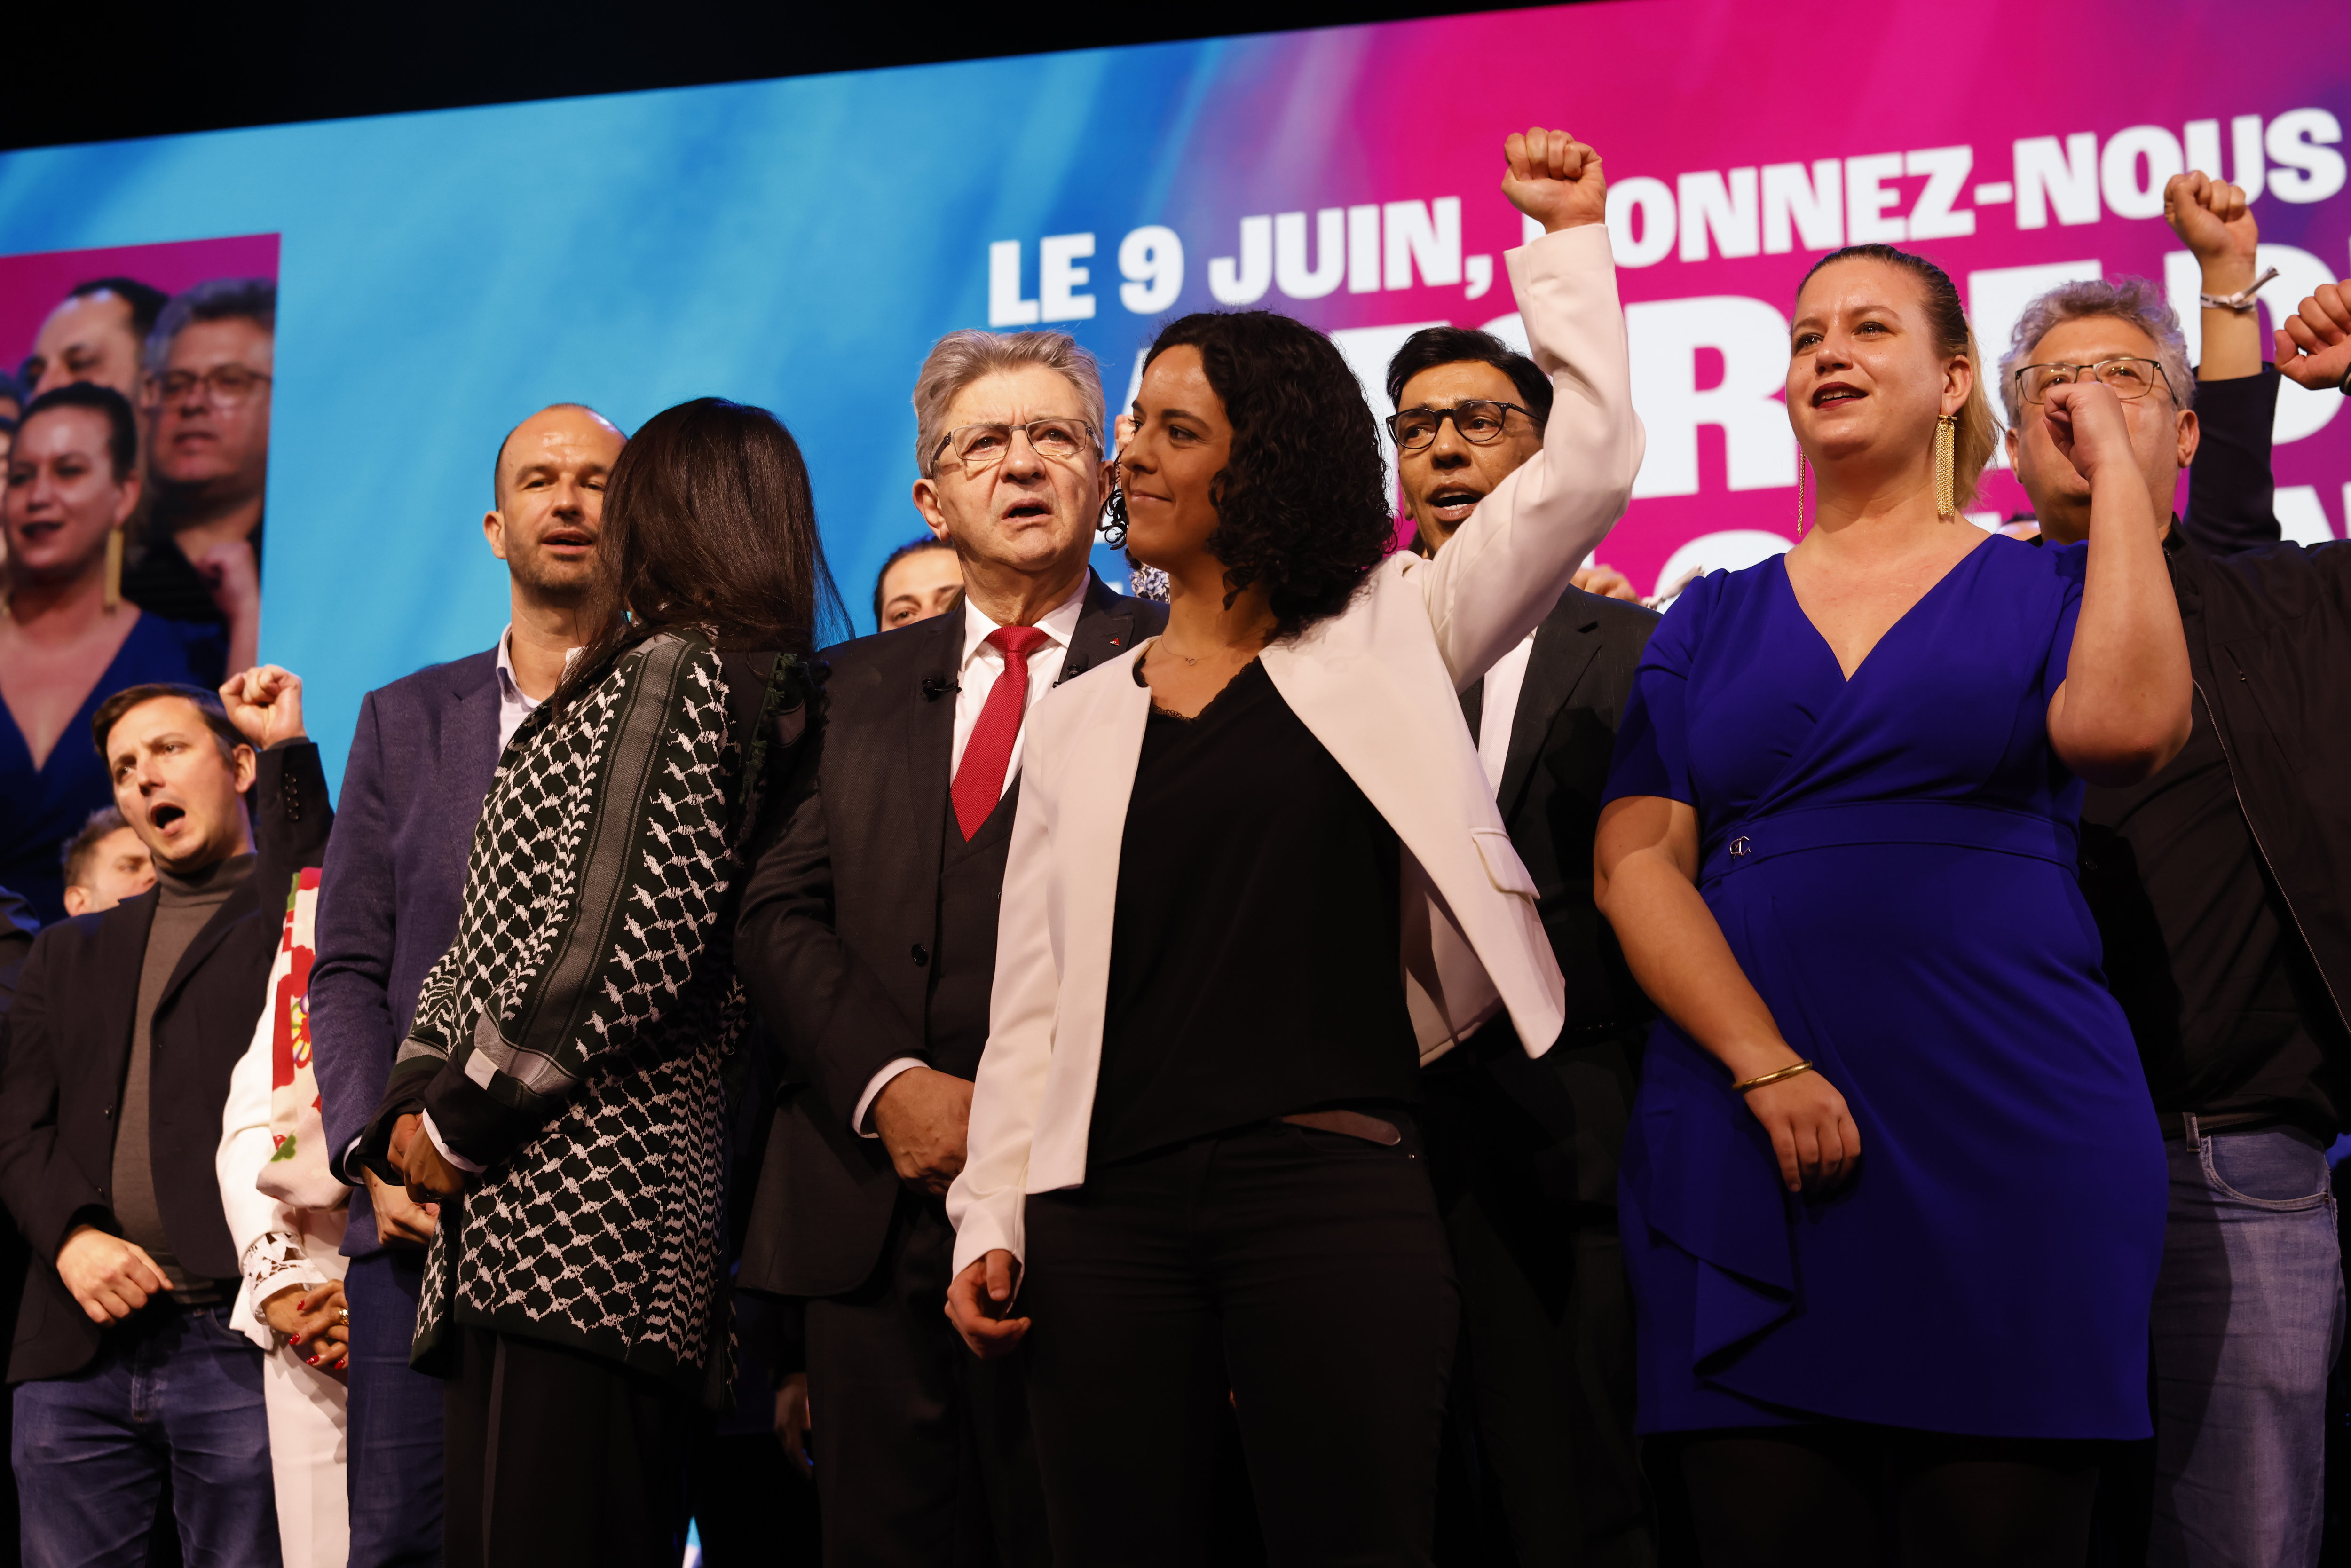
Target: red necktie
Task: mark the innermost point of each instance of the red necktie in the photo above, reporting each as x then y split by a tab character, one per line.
979	782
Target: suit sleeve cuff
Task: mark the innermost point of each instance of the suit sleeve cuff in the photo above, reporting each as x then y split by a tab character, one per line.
860	1119
451	1155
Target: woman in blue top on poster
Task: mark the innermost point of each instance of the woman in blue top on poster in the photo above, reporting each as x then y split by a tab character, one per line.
1892	1197
69	640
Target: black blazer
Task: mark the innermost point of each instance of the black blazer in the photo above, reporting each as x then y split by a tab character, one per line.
838	919
68	1045
1562	738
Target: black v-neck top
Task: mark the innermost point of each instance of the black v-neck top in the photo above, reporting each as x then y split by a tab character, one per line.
1255	962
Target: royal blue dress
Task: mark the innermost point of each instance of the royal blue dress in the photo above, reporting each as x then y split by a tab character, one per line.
41	808
1892	860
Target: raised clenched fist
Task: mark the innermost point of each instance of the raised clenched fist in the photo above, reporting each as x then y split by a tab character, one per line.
1554	179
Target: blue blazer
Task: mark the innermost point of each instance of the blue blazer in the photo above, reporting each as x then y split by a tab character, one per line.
421	765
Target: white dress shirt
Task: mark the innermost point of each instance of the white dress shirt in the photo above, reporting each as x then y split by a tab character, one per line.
1503	684
515	705
977	674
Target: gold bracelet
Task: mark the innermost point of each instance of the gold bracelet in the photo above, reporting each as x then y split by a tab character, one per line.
1771	1077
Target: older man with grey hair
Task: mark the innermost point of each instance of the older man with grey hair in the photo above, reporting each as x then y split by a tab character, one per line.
2218	886
868	940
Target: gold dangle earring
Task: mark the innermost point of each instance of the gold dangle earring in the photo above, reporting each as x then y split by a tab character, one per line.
1947	489
1804	472
113	567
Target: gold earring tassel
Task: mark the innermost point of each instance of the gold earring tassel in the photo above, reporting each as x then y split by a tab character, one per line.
113	567
1804	472
1947	489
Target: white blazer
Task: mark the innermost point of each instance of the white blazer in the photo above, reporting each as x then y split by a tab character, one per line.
1378	685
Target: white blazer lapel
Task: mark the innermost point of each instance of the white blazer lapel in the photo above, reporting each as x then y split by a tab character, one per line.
1094	736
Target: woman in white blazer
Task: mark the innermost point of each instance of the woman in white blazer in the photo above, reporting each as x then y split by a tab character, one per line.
1191	1158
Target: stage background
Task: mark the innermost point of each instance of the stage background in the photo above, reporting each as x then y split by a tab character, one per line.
798	244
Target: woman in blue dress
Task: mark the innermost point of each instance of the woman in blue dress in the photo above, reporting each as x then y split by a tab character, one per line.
67	638
1893	1199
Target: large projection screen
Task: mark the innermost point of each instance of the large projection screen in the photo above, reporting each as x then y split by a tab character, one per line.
798	244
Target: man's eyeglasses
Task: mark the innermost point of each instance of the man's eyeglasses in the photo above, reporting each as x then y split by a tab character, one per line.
2128	378
979	447
223	385
1480	422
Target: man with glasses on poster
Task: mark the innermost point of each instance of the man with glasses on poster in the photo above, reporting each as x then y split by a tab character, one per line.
2218	887
209	368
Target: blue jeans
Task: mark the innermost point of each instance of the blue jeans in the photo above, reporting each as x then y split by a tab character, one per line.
2249	1315
394	1441
174	1395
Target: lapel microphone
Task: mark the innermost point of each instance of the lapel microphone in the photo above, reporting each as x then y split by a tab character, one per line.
936	686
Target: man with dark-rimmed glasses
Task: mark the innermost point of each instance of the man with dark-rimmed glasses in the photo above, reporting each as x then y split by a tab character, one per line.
1538	1434
2218	886
208	379
868	940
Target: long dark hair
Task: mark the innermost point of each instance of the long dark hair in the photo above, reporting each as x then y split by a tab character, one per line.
1303	504
709	522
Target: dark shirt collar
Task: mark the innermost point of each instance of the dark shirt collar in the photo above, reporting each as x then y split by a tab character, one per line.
213	885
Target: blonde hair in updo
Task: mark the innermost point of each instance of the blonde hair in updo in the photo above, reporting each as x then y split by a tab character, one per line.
1979	431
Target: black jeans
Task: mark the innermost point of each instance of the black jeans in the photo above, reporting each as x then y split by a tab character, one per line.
1301	1274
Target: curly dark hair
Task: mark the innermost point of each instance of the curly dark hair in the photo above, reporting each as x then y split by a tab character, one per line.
1303	504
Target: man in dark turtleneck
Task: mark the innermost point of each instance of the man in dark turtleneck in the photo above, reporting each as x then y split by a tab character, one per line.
118	1053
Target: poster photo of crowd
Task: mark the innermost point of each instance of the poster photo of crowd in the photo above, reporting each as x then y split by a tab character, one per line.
134	411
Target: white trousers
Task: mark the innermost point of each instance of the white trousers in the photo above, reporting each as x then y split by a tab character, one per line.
308	1415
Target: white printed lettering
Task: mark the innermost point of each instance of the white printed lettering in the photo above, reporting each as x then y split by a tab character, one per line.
1430	240
1654	200
1297	279
1813	204
1059	277
1247	285
2048	177
1867	199
1728	213
1005	306
1946	170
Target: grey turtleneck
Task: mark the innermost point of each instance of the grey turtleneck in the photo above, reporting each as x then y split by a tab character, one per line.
183	906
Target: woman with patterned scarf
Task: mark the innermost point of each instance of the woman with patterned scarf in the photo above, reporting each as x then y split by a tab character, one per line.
563	1092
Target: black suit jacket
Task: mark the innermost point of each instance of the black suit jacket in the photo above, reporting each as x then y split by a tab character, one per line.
69	1046
840	917
1562	738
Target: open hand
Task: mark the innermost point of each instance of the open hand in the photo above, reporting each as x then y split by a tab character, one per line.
2313	345
1811	1131
265	704
1554	179
978	1301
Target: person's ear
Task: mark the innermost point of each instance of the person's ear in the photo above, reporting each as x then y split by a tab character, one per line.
1958	384
124	508
935	517
244	767
494	529
2190	435
77	900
